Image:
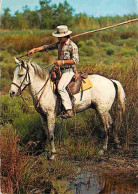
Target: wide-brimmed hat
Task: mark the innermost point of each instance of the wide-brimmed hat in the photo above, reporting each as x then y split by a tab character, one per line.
62	31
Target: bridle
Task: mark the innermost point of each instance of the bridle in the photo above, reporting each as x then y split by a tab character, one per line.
25	78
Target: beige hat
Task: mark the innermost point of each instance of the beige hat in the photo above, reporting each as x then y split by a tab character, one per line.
62	31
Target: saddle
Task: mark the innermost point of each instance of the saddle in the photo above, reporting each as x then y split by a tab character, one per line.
75	84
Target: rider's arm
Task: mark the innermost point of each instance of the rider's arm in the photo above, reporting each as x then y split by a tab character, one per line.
50	47
43	48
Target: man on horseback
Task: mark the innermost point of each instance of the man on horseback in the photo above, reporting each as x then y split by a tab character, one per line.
68	57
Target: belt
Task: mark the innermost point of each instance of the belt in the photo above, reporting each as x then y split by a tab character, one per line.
63	68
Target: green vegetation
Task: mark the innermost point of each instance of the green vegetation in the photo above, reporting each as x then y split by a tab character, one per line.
50	15
110	53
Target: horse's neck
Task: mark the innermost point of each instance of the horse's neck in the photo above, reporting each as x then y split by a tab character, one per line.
37	84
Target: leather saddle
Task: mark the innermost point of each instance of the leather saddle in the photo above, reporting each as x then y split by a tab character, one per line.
76	84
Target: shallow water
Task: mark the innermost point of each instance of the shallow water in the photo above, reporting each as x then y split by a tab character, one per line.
92	183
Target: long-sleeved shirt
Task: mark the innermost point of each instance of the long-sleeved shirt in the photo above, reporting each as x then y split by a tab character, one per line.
66	51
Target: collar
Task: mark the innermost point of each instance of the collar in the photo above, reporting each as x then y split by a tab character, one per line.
66	43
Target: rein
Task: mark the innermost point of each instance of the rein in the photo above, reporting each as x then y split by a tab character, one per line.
44	87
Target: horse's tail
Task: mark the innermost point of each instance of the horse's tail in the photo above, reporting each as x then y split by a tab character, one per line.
120	94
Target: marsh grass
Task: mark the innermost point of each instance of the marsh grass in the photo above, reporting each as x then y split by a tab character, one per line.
22	172
24	42
14	164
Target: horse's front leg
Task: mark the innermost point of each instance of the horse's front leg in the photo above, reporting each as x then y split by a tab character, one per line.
45	126
51	129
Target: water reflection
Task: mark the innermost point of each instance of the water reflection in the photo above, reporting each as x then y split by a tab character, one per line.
92	183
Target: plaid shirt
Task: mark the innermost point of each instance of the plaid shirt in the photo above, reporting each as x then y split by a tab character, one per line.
66	51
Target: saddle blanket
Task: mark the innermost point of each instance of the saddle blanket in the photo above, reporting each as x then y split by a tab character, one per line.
86	84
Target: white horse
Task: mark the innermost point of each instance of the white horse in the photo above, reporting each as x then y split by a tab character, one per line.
100	97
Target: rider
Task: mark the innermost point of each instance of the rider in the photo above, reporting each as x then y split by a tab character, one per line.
68	57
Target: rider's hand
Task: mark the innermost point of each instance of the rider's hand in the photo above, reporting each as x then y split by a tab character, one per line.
31	52
59	63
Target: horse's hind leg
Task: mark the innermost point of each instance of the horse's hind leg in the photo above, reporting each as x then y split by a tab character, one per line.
107	122
115	136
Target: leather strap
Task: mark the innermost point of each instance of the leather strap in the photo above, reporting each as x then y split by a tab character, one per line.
38	102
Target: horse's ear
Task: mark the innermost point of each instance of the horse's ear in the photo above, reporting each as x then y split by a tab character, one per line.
22	63
16	60
22	70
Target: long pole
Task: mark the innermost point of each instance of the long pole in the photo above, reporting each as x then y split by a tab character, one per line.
105	28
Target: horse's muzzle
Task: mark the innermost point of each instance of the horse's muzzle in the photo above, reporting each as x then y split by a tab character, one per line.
12	94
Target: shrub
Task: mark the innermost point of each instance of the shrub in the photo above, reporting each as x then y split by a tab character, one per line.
127	52
105	44
82	52
7	70
10	108
90	42
6	57
120	42
109	50
4	83
81	43
88	50
130	42
29	127
108	60
128	34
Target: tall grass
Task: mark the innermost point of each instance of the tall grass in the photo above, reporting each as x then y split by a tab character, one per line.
21	172
14	162
17	43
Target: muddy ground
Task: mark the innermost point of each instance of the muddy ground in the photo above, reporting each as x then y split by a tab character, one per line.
113	166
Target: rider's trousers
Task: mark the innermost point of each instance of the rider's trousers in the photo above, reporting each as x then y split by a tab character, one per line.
67	75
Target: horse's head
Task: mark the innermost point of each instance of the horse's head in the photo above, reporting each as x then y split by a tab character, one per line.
21	78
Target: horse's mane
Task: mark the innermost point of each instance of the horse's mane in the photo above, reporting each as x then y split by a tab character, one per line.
39	71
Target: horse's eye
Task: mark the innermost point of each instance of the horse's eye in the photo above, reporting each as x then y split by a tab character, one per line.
20	75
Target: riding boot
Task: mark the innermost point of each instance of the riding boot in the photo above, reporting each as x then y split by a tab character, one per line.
68	114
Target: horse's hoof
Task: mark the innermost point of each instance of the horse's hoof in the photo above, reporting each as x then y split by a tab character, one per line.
101	152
